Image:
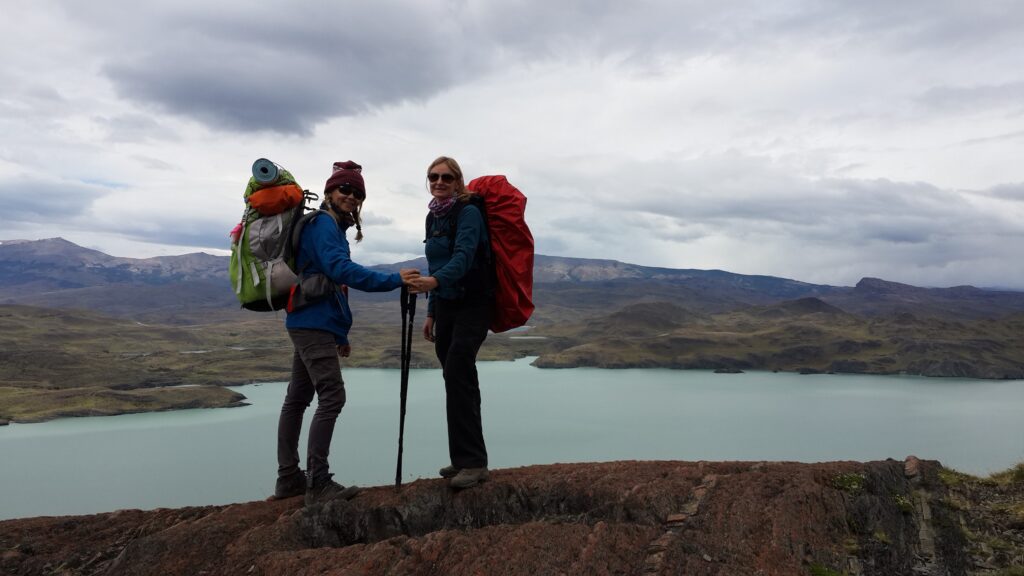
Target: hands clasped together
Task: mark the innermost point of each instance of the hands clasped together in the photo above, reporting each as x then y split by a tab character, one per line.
416	283
420	284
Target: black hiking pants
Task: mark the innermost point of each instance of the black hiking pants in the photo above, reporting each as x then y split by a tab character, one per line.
460	327
315	370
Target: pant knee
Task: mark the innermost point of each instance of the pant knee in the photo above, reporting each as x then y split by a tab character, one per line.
295	405
331	400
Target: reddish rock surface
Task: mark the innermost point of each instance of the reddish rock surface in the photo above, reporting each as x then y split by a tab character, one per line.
695	518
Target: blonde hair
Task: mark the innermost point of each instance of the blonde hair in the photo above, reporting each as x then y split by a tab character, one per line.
460	184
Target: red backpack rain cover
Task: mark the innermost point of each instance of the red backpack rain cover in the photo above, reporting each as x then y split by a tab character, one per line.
511	249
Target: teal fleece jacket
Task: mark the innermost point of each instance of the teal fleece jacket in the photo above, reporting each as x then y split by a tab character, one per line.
449	265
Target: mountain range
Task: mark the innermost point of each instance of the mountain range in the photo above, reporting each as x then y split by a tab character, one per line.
76	339
82	332
195	288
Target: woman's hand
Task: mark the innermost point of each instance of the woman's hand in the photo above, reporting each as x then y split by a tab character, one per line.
428	328
423	284
344	350
408	275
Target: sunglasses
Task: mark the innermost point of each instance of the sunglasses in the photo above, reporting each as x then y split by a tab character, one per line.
348	190
446	178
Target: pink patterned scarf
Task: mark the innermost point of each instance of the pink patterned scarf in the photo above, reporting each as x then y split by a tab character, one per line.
441	207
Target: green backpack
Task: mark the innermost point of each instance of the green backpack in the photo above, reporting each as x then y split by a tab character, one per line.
262	267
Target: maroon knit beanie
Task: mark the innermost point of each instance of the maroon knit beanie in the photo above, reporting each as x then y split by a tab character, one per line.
347	172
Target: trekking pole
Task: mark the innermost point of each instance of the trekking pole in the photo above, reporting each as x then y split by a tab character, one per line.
408	305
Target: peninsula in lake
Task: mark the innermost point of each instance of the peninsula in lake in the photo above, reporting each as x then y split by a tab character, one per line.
85	333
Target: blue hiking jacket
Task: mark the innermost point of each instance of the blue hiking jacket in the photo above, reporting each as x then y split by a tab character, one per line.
323	248
448	265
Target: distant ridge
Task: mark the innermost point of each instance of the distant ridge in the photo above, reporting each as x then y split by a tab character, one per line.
801	307
596	313
57	273
62	262
874	296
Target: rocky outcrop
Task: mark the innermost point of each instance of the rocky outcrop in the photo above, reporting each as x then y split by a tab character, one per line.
767	518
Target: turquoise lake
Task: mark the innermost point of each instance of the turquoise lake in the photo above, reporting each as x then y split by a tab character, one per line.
531	416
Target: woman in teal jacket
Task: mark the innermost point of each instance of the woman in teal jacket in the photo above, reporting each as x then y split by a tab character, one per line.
319	333
458	314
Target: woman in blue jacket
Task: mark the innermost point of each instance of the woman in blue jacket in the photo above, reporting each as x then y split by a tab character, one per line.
458	313
319	333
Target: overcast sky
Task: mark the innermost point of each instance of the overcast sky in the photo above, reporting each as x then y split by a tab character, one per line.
814	140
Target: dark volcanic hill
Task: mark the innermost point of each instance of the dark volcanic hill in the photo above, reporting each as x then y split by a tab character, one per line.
631	518
806	335
873	297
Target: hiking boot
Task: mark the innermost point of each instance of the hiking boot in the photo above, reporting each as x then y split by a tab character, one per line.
448	472
469	477
327	489
289	486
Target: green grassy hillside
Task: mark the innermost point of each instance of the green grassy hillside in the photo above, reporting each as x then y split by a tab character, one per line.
805	335
57	363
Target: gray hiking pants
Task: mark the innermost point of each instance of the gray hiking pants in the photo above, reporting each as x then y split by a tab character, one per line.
315	370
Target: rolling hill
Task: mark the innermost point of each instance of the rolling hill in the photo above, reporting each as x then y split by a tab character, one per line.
76	324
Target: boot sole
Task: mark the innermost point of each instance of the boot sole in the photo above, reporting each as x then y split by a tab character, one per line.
478	482
347	494
295	489
275	497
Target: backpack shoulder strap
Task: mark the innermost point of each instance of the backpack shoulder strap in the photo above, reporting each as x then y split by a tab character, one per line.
299	218
295	237
478	201
454	228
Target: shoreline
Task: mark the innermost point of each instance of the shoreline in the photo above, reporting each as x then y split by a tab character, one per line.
192	396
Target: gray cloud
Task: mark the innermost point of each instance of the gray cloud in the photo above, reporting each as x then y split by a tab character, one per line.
286	68
289	66
207	230
373	218
156	164
901	228
386	241
208	235
817	139
32	199
1013	192
134	128
244	103
998	139
974	98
